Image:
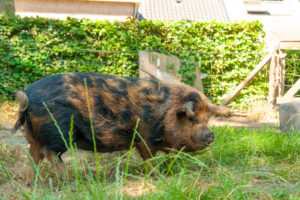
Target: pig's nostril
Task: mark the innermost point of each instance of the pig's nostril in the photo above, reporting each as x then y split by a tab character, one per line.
209	136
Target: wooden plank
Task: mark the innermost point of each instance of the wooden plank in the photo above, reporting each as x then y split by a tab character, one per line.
272	81
289	96
281	100
293	90
198	82
155	65
146	68
173	66
163	62
289	45
282	54
247	79
163	67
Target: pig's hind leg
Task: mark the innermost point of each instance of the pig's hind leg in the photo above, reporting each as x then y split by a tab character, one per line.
36	156
58	164
55	142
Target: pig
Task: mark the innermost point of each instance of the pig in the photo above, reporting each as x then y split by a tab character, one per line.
171	115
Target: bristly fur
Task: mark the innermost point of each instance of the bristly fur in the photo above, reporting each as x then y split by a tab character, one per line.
23	99
172	115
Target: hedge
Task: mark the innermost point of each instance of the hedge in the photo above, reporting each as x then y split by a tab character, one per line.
32	48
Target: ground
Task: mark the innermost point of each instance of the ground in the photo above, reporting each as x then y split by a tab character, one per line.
250	159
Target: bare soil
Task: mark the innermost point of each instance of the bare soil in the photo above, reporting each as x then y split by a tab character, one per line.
243	121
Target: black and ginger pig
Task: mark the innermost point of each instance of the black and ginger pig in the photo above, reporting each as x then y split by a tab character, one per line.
172	115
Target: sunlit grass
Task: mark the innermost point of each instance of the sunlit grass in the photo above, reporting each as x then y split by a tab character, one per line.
241	164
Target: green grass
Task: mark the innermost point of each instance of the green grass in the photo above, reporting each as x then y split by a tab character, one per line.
241	164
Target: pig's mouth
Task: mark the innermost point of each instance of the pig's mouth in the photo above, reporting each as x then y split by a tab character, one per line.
200	145
202	142
207	144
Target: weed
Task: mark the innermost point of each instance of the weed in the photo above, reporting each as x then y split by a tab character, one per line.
241	164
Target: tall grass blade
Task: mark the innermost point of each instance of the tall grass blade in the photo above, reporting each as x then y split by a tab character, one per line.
130	149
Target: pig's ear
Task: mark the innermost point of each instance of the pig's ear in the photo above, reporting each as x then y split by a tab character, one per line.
218	109
187	110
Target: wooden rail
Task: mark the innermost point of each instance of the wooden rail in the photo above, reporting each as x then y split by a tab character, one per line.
252	74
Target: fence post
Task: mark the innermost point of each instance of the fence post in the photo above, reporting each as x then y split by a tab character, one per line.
198	80
159	66
146	68
282	56
164	67
252	74
272	80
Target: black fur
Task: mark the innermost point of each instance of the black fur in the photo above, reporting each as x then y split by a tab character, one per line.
156	137
114	116
148	113
165	91
126	115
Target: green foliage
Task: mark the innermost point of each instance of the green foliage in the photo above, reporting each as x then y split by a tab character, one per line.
241	164
32	48
292	69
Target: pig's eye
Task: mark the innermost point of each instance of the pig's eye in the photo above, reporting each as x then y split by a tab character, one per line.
193	120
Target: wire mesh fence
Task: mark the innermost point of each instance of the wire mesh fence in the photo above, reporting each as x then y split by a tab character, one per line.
292	73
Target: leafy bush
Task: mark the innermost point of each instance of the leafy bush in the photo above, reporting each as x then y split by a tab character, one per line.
292	69
32	48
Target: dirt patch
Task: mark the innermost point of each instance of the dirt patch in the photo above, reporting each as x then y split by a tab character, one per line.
242	121
262	111
12	139
8	112
137	188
